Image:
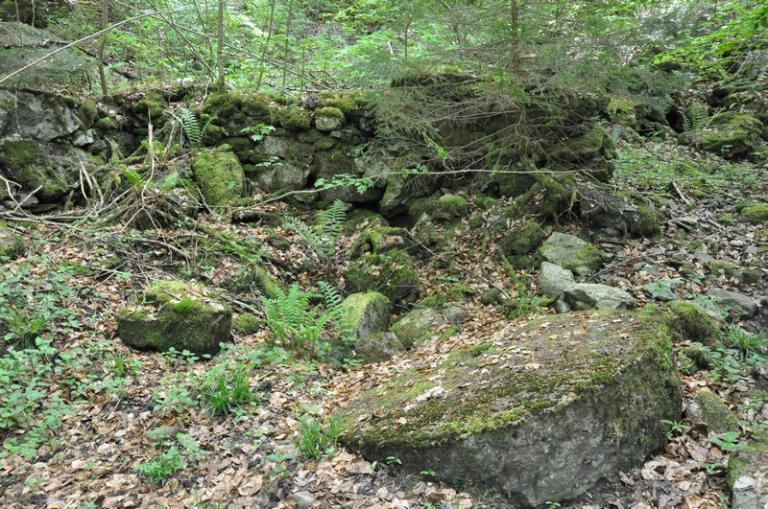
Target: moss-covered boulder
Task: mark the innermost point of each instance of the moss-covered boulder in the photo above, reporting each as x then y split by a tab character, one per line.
570	252
533	413
366	313
689	321
53	169
392	273
378	347
448	207
329	119
417	326
731	134
176	315
11	245
219	175
522	239
379	239
246	323
755	214
708	408
596	146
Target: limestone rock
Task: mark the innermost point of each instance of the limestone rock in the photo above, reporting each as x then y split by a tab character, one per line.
737	304
532	412
748	477
555	280
570	252
53	169
590	295
709	408
731	134
378	347
36	116
366	313
176	315
329	119
418	325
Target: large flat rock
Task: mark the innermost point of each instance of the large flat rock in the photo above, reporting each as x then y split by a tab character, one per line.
530	413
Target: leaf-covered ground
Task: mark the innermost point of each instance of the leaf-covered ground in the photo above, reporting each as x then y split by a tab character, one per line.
94	410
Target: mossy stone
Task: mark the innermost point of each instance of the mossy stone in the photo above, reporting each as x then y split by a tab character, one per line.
571	252
492	297
522	239
731	134
713	411
689	321
567	392
246	324
11	245
647	222
755	214
219	175
392	273
379	239
366	313
88	112
450	207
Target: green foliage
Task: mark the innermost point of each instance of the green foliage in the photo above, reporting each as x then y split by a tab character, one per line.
323	236
317	439
258	132
360	184
747	344
224	390
191	126
298	325
163	467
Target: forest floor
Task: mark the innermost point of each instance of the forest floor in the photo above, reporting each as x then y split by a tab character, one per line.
111	408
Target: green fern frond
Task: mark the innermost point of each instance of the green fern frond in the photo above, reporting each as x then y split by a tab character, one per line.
324	235
191	126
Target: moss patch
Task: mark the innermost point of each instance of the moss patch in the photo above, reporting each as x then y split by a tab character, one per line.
689	321
755	214
219	175
548	375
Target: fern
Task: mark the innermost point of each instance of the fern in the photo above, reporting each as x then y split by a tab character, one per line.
695	117
324	235
298	325
191	126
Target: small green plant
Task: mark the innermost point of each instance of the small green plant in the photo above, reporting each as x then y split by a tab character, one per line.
552	504
727	442
316	439
160	469
258	132
747	344
393	460
675	428
324	235
223	391
360	184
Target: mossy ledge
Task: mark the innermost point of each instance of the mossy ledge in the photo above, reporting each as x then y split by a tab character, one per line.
557	402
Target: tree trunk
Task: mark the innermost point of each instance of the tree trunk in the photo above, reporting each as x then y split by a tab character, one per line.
220	48
514	20
102	43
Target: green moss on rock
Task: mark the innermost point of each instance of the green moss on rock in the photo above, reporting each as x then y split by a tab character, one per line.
378	239
647	222
246	324
219	176
712	411
540	396
755	214
522	239
11	245
689	321
329	111
392	273
366	313
731	134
